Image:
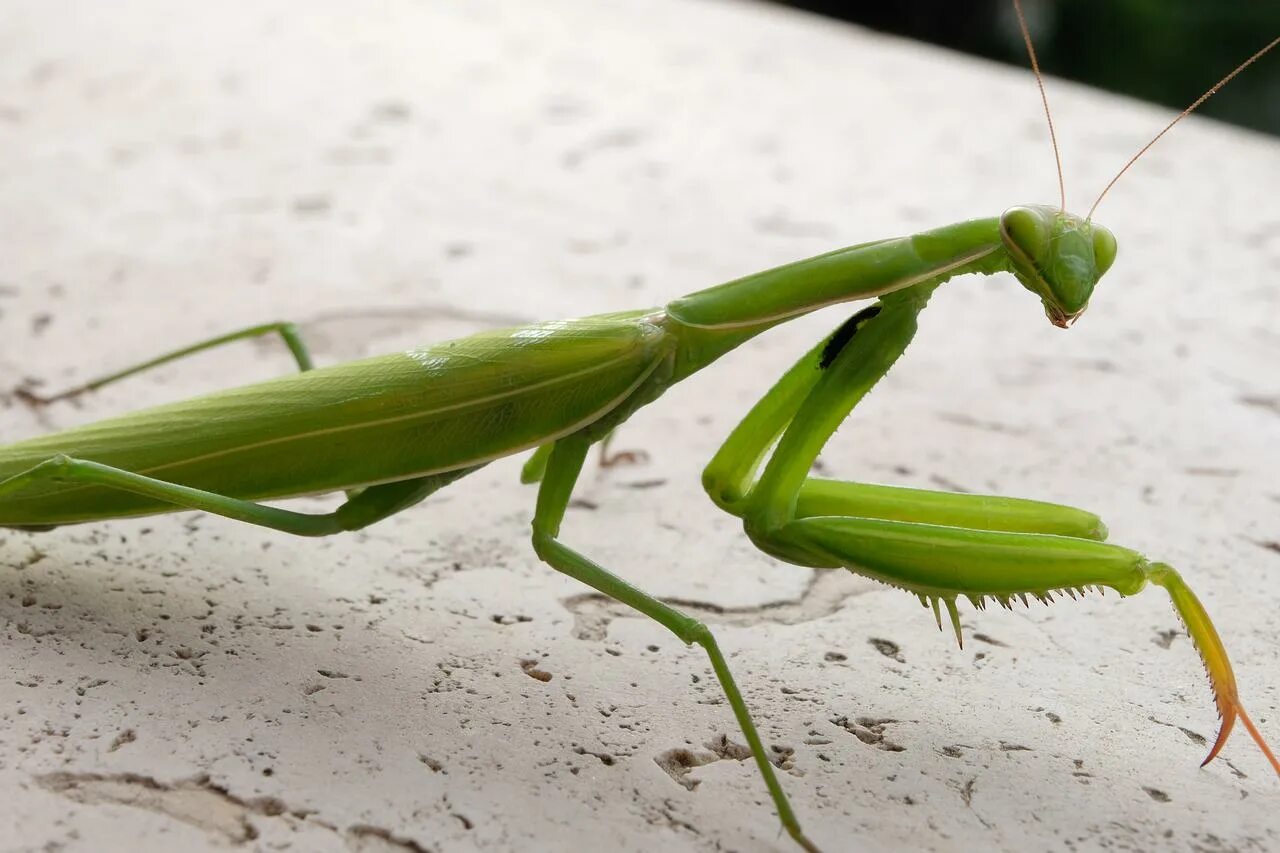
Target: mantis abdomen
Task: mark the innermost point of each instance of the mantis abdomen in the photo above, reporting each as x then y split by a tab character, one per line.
430	410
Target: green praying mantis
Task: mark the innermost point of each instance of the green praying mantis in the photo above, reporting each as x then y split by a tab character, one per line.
392	430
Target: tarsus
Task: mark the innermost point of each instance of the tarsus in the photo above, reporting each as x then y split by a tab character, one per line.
1214	657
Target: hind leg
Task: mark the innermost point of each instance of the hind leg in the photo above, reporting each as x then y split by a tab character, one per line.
371	504
287	332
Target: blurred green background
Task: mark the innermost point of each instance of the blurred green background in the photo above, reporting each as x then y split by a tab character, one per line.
1166	51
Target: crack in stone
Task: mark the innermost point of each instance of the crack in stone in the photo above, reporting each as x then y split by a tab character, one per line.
665	815
371	839
1195	737
200	803
870	730
965	420
677	763
966	795
1261	402
823	596
196	802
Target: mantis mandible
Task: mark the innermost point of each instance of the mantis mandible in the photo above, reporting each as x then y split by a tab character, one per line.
393	430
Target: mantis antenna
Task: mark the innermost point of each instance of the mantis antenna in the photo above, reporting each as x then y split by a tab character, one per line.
1198	101
1035	67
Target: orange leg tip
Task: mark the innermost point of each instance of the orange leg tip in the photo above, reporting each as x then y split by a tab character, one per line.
1259	740
1233	711
1224	732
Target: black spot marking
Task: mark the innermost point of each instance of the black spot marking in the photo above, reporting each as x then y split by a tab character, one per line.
844	334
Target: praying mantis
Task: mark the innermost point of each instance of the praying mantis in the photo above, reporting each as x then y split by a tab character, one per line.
393	430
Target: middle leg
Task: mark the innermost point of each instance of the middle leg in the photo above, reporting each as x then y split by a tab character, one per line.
562	469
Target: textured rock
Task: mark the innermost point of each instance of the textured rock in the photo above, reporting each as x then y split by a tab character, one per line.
404	175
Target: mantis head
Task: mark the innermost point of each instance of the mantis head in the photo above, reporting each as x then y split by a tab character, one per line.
1058	256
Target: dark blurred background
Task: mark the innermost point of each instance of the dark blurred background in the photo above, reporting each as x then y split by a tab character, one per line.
1166	51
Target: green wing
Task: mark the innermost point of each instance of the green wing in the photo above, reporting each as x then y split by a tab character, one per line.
438	408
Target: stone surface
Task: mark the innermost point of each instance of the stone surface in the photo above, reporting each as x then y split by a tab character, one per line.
406	172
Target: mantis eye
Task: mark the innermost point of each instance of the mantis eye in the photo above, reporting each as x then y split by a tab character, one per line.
1104	248
1028	229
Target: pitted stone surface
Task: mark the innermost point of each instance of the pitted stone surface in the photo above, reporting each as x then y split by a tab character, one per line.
403	173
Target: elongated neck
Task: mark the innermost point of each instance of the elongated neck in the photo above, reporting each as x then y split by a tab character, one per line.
712	322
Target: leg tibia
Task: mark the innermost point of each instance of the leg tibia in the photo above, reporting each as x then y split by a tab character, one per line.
979	512
566	560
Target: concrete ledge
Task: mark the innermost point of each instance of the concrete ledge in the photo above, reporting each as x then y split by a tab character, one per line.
422	171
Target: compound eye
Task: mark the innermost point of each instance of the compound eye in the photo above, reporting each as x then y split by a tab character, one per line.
1104	248
1028	230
